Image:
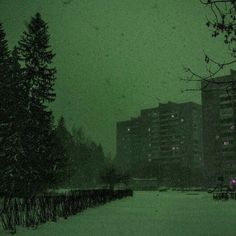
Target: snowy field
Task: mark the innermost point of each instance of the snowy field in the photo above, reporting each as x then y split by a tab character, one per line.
148	214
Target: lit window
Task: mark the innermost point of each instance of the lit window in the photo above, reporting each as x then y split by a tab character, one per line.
128	129
172	116
149	129
173	148
182	119
226	142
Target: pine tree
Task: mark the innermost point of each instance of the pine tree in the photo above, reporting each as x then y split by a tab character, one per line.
18	114
4	87
13	114
65	151
37	56
5	117
10	148
39	135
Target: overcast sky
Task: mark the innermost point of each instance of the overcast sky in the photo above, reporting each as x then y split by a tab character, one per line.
115	57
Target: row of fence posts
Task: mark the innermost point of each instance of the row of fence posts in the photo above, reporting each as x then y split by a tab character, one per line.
224	195
31	212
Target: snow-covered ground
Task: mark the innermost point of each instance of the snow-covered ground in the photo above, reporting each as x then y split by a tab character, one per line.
147	214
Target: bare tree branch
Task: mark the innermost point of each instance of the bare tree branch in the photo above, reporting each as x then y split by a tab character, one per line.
222	23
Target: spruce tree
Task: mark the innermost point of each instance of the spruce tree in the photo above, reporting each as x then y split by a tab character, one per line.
37	56
39	75
18	102
4	87
65	150
12	110
5	113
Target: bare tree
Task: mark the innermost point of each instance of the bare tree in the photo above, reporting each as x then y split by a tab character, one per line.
221	23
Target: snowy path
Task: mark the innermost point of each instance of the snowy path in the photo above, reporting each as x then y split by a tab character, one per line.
146	214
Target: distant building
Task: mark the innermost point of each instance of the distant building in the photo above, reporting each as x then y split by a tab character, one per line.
163	142
149	124
181	141
128	143
219	127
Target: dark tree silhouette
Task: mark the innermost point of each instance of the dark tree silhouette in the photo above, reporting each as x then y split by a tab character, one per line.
17	101
4	88
36	57
5	117
64	148
4	67
12	106
13	116
88	160
221	23
112	175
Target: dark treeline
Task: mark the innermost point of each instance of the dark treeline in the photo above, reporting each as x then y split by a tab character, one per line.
86	159
35	153
38	156
29	148
88	167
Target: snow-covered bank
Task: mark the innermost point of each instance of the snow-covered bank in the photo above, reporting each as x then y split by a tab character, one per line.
148	213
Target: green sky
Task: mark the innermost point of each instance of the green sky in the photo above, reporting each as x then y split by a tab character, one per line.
115	57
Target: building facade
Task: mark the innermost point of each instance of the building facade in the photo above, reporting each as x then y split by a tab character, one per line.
168	139
219	122
181	142
128	143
